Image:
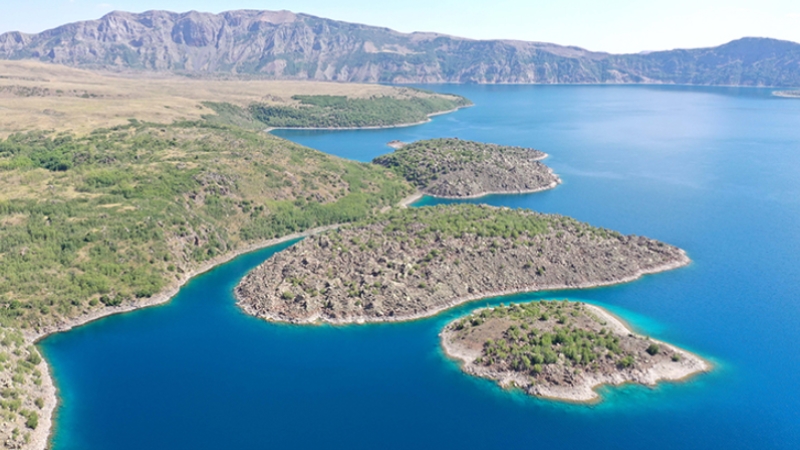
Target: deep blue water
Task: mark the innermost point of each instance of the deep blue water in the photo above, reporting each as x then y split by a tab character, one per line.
715	171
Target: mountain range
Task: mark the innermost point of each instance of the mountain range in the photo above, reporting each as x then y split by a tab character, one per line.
285	45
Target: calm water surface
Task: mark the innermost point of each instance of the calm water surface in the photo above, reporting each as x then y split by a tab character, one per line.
712	170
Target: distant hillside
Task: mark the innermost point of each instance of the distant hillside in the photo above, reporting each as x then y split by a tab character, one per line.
299	46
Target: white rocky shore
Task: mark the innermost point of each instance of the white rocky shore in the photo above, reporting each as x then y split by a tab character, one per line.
559	380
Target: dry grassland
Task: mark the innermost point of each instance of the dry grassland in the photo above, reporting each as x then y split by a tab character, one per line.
39	96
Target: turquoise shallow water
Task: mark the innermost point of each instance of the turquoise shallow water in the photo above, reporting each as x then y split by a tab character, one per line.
712	170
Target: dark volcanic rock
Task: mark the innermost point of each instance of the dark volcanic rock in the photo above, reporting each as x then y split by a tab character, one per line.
416	262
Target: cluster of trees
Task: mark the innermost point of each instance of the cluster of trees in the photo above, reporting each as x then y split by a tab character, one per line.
458	220
327	111
534	341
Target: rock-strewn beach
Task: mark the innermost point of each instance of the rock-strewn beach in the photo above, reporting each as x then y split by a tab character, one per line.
455	168
414	263
561	350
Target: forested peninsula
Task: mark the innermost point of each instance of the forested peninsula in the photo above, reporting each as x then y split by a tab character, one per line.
334	112
455	168
561	350
412	263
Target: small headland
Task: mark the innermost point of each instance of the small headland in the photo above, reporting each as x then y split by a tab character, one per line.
415	262
397	145
561	350
787	94
455	168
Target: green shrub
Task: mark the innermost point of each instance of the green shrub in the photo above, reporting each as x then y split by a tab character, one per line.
34	358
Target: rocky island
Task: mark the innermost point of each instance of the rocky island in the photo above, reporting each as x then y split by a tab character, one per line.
561	350
412	263
455	168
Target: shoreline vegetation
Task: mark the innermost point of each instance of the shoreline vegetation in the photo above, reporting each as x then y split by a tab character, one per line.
377	127
409	107
455	168
561	350
413	263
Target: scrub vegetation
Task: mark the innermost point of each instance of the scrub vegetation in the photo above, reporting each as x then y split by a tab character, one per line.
121	213
22	372
93	223
560	349
338	111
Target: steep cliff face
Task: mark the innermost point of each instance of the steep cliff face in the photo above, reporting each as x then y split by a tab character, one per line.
283	44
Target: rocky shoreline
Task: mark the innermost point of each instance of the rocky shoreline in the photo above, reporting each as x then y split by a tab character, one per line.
650	361
455	168
552	185
374	273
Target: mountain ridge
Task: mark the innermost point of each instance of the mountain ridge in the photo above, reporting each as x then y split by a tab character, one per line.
288	45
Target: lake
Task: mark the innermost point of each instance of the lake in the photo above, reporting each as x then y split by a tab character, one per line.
715	171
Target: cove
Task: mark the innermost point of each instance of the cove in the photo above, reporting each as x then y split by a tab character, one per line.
712	170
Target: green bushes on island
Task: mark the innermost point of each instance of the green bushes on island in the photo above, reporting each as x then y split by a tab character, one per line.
524	345
459	220
561	349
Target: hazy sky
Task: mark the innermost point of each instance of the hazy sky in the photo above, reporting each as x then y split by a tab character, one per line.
611	25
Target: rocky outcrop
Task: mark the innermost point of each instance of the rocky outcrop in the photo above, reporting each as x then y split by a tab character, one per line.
787	94
282	44
413	263
561	350
454	168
